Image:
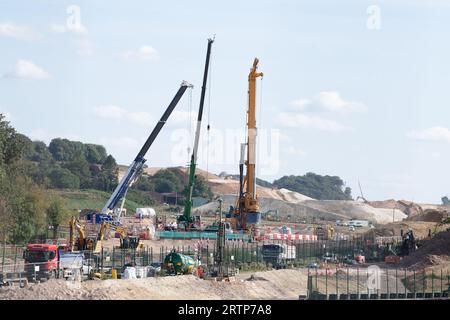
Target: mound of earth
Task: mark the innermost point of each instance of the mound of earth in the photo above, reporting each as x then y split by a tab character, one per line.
420	228
330	210
357	210
434	252
277	284
431	215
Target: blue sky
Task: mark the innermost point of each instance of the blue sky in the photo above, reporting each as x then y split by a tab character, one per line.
346	91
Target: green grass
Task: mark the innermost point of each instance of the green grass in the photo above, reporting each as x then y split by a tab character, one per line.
90	199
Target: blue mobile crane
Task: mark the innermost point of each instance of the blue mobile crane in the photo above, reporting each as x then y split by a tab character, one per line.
138	163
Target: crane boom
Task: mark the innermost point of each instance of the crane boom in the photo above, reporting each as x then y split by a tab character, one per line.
246	213
252	131
139	161
186	218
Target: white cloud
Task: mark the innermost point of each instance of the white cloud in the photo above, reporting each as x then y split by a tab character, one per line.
25	69
46	136
77	29
141	118
437	133
119	113
18	32
182	118
330	101
144	53
290	119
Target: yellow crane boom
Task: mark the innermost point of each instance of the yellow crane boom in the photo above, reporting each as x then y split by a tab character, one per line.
247	207
252	131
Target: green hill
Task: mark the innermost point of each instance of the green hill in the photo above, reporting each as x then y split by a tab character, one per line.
90	199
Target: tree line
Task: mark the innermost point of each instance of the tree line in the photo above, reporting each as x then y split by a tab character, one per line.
27	210
316	186
31	170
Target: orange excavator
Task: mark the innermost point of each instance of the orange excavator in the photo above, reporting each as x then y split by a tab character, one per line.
246	215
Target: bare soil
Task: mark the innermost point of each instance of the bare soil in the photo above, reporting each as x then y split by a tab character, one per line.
276	284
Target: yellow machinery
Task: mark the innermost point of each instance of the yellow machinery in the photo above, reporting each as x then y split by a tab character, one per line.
325	232
126	242
245	215
80	243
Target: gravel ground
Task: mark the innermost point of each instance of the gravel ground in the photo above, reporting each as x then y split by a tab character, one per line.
276	284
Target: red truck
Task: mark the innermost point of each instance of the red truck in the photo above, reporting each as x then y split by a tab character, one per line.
46	261
41	261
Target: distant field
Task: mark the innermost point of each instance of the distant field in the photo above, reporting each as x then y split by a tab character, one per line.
90	199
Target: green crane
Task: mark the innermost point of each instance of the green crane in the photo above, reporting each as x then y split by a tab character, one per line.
187	221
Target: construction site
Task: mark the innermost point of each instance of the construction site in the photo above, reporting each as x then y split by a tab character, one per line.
247	240
270	244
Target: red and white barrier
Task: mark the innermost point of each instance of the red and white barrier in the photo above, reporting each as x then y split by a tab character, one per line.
301	237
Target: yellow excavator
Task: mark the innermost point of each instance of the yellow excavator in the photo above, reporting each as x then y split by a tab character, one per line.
82	242
126	241
324	232
246	215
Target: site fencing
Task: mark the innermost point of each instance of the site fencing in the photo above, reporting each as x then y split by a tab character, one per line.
236	254
377	283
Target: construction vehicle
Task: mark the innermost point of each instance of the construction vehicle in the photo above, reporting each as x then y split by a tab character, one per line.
396	252
176	263
408	243
126	241
186	221
277	254
324	232
46	261
246	215
82	242
136	166
410	208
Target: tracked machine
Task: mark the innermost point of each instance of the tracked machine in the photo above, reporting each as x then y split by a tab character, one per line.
245	215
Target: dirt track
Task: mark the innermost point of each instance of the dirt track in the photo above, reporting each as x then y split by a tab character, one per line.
276	284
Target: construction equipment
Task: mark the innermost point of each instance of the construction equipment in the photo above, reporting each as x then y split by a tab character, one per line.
245	215
46	261
126	241
138	163
81	242
408	243
77	244
218	268
324	232
410	208
278	254
177	263
186	221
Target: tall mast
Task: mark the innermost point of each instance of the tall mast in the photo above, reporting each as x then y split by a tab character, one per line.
251	124
188	203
